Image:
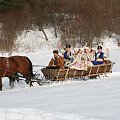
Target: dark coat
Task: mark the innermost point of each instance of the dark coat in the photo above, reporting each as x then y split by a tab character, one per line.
101	56
69	57
66	56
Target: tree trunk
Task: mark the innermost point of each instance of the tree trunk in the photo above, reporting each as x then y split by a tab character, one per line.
44	33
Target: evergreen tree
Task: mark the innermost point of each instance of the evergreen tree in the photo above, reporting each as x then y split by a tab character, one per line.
11	3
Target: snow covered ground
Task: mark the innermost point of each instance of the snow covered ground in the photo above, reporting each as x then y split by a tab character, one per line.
71	100
90	100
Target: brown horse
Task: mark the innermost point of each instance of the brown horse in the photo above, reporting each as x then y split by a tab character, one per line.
10	66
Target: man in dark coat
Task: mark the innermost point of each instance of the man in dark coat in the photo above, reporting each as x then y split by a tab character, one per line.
99	56
68	55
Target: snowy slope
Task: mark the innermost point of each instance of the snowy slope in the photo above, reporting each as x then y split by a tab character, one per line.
110	43
70	100
34	40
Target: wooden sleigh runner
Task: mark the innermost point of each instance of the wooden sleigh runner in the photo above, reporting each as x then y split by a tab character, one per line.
63	74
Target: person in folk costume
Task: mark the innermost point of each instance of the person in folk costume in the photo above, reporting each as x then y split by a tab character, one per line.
92	54
68	56
107	52
99	56
79	55
56	62
75	51
88	56
106	56
79	61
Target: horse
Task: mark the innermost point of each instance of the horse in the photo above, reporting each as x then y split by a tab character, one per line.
10	66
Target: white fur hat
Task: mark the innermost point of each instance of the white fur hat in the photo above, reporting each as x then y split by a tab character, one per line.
93	49
81	49
76	49
86	48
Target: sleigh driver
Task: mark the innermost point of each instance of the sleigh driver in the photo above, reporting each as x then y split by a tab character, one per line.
56	62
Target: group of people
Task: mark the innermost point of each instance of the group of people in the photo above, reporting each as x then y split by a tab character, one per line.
81	59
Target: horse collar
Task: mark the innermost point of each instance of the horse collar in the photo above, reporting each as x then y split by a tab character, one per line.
7	67
7	63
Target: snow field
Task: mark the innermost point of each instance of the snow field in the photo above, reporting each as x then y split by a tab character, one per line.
96	99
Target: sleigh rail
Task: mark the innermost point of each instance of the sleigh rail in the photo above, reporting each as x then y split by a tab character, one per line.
62	74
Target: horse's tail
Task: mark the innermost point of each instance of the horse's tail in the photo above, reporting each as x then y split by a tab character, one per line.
30	67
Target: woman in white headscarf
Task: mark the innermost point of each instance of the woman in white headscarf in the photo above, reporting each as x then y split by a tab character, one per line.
88	56
79	62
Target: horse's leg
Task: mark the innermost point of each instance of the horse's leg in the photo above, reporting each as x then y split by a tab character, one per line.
0	84
16	77
11	81
28	81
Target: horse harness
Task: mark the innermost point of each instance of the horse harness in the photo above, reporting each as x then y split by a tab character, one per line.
7	66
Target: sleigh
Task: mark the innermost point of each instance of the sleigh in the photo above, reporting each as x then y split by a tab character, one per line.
50	75
91	72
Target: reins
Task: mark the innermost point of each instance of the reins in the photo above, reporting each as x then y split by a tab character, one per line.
40	66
